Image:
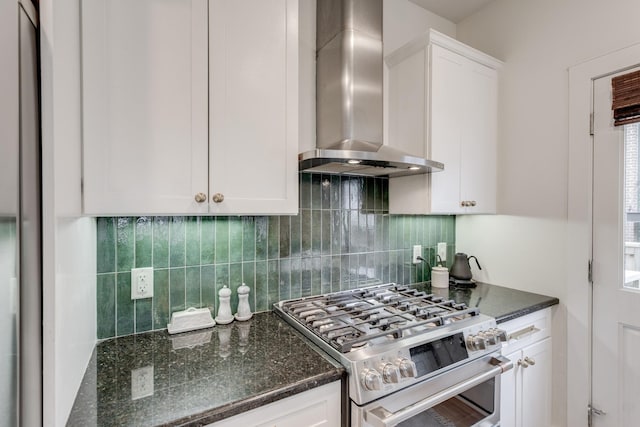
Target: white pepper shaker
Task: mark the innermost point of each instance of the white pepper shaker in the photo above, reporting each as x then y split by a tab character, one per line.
244	309
224	311
244	329
224	335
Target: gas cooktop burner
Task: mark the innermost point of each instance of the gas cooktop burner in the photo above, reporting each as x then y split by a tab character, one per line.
393	337
353	319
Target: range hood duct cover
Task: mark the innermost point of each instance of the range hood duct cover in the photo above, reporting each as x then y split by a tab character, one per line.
349	96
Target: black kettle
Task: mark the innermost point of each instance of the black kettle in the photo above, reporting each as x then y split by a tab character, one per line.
460	269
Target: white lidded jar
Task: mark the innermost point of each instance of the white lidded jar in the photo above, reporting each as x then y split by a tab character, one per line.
439	277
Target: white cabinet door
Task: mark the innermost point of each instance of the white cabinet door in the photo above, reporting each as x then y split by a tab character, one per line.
536	385
145	97
479	139
190	97
525	390
448	86
319	407
253	72
464	114
510	391
443	105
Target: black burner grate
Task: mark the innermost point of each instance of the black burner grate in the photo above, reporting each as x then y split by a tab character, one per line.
351	319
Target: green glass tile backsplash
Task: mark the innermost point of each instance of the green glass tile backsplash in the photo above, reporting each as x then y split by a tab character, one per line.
342	238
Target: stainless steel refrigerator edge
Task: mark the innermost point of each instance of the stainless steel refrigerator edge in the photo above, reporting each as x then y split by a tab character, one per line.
20	218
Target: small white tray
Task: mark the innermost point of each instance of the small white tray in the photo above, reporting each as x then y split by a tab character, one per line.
190	320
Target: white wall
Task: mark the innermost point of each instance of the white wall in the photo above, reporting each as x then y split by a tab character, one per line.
75	309
509	249
526	247
69	248
402	21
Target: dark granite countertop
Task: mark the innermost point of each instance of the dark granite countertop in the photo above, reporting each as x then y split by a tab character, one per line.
236	368
502	303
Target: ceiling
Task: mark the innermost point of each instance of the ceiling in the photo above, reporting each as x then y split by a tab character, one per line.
453	10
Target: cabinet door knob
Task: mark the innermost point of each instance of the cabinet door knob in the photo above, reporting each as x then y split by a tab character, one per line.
530	361
523	363
217	198
464	203
201	197
473	203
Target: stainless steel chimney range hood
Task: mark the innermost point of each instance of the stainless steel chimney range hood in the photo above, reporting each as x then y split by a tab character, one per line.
349	96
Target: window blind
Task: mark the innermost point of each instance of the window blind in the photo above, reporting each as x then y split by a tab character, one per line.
626	98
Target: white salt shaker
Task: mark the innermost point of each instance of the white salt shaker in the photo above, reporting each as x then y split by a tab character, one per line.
224	311
244	310
439	277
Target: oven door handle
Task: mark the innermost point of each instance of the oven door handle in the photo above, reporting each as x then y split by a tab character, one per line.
380	417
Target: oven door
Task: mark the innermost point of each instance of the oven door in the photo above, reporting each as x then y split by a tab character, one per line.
465	396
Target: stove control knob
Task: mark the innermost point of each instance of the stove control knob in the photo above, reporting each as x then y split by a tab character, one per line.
490	337
407	368
371	379
476	342
501	334
390	373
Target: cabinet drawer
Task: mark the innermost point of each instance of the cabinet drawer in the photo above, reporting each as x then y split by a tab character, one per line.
317	407
526	330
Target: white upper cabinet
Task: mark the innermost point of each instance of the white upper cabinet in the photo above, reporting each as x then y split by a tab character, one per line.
253	116
145	92
183	99
443	106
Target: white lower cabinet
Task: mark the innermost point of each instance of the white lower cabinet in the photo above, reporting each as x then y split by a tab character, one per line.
525	390
317	407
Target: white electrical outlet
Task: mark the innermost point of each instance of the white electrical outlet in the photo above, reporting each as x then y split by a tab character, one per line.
417	252
141	283
141	382
442	252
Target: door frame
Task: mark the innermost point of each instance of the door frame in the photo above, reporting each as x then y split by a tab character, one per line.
579	226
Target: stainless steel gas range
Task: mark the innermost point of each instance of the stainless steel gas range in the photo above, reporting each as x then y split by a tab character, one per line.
413	359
